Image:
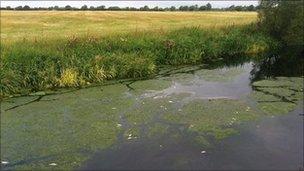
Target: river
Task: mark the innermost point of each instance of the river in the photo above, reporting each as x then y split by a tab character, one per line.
190	117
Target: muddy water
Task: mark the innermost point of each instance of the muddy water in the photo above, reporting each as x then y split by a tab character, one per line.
184	118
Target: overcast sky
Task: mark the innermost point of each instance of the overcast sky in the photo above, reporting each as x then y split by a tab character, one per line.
216	4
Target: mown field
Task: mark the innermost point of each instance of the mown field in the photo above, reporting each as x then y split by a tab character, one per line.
47	50
50	24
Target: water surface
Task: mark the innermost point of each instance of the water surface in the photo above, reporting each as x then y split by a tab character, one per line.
191	117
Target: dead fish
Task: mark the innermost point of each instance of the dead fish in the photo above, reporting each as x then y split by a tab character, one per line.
4	162
53	164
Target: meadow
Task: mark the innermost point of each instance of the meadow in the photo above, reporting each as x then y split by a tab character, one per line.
47	50
51	24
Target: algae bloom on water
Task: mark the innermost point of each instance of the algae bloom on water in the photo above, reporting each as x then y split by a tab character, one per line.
63	131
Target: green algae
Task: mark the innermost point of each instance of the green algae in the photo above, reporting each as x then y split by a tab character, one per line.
212	117
17	101
68	128
60	131
157	130
279	95
132	133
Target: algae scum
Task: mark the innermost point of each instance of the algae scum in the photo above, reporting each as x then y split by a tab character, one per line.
190	108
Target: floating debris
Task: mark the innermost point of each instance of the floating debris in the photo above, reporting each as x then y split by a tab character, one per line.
234	119
53	164
179	110
191	126
237	112
4	162
143	102
118	125
170	101
248	108
258	126
203	152
113	108
160	146
129	138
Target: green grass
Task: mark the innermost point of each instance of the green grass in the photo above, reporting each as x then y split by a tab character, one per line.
30	65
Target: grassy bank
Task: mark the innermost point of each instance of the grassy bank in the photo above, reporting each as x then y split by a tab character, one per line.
34	65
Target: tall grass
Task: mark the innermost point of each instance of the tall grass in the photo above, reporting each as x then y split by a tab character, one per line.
33	65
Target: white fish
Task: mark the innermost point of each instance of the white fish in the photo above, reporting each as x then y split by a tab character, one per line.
53	164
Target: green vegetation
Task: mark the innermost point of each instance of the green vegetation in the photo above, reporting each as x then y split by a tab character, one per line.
283	20
29	66
61	129
278	95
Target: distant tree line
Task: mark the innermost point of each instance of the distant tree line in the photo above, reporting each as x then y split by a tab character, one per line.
206	7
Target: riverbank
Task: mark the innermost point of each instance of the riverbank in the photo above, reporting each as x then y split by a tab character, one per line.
39	65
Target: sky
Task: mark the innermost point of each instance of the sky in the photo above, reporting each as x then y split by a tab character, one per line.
130	3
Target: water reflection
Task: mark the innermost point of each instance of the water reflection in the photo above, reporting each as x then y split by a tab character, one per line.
287	63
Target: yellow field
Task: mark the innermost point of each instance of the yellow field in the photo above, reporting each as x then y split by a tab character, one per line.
24	24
